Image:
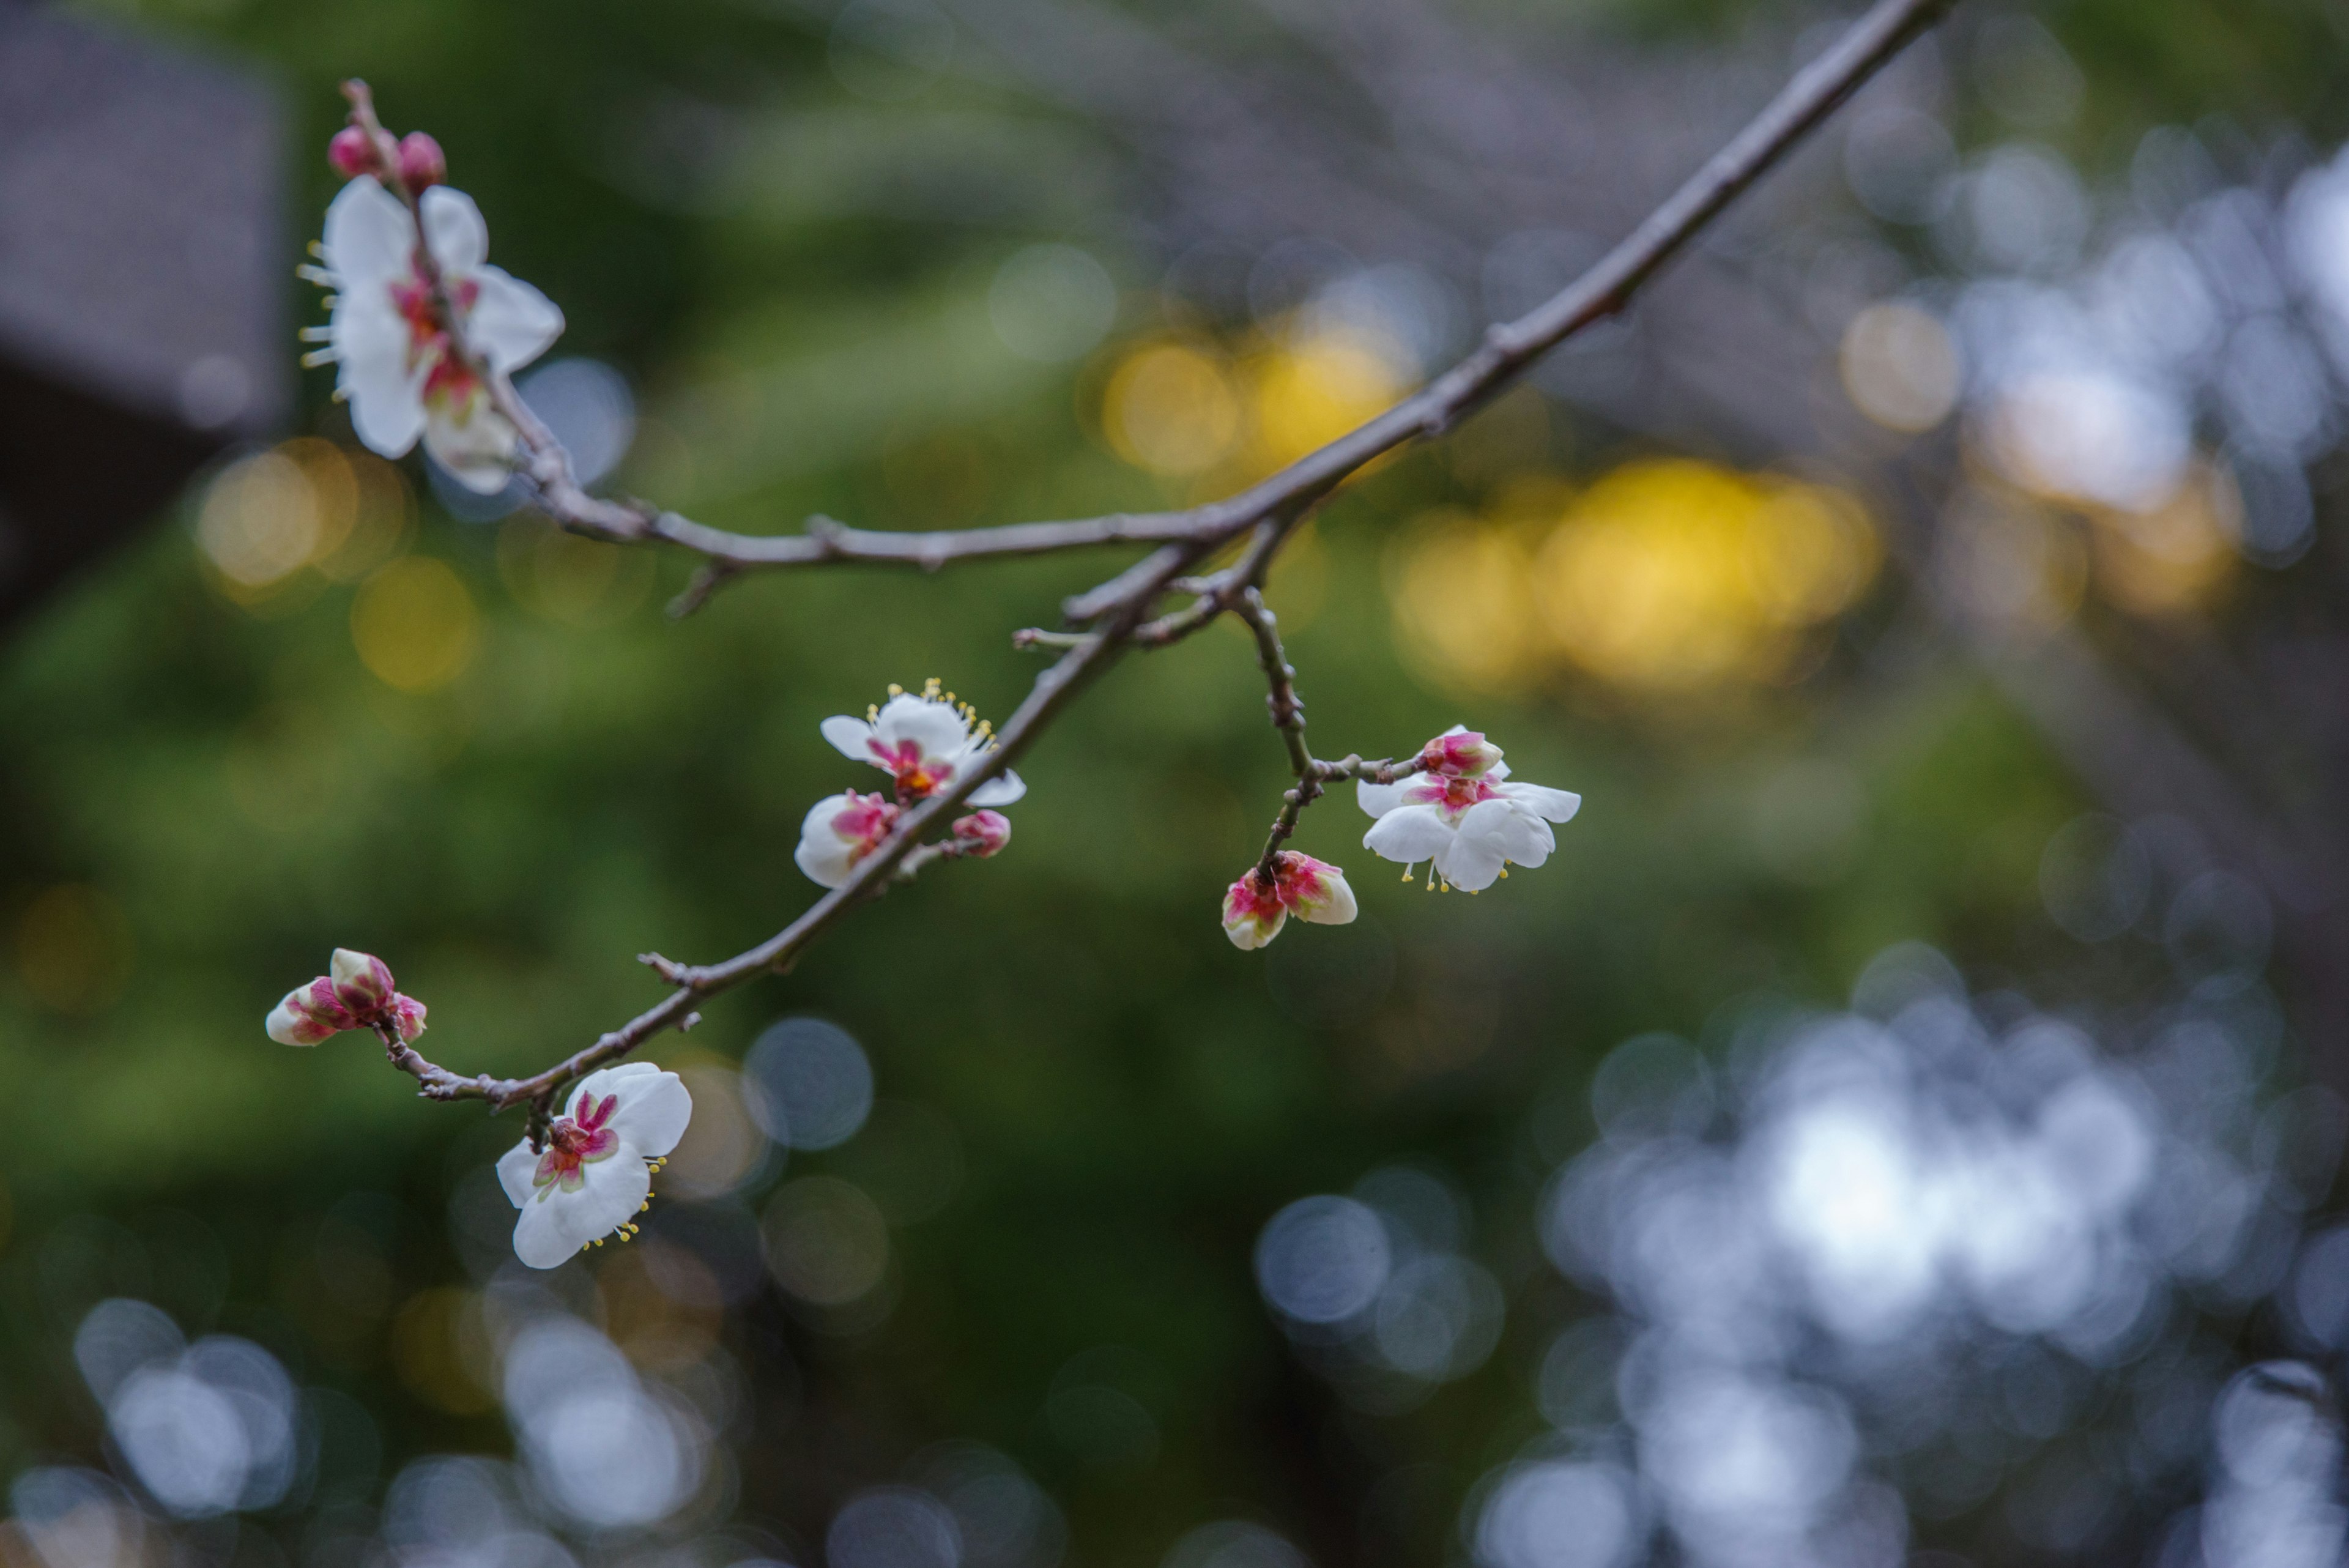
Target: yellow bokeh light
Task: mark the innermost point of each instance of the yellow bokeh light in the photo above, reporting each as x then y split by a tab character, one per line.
1308	394
334	491
1462	611
1809	554
258	523
1899	366
383	514
1677	574
1170	408
73	950
414	625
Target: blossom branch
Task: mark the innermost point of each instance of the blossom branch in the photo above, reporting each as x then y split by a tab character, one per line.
1284	498
1116	613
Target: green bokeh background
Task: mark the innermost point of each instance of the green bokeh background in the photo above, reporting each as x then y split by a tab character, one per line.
1132	1097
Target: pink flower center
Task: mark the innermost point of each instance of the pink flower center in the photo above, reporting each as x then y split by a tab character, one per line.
864	824
1452	796
447	379
916	776
572	1143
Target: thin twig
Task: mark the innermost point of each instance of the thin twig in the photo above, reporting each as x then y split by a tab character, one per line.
1117	611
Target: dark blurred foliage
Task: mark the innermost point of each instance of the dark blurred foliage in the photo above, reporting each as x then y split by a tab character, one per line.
784	235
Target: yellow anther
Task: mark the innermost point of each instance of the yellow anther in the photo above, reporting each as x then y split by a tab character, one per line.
895	689
1504	872
1406	873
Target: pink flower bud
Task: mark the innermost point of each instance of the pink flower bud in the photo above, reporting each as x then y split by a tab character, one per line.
1460	753
421	163
1255	910
362	983
981	834
352	153
355	994
293	1021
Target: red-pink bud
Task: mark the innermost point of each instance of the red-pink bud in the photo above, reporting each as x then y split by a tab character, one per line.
420	161
352	153
981	834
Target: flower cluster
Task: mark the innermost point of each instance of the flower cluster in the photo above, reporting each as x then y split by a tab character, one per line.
356	992
593	1175
420	320
1460	812
590	1173
924	741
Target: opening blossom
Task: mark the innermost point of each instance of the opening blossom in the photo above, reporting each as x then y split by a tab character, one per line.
1464	815
400	372
1314	890
921	740
594	1174
355	993
839	831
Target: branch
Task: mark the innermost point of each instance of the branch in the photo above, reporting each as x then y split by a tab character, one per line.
1117	610
1508	349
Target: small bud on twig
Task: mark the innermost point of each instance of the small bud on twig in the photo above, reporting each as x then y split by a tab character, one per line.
421	162
352	153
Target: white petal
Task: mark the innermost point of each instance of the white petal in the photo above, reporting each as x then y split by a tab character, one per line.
1410	833
1378	799
453	228
511	323
1491	832
386	396
827	865
1247	935
1497	773
542	1238
515	1171
1555	804
1340	908
936	729
653	1114
477	450
1519	835
851	737
823	853
369	239
1471	864
556	1224
1001	790
605	1081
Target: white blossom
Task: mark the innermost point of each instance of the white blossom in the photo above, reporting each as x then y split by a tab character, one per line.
596	1173
396	367
1464	815
923	741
